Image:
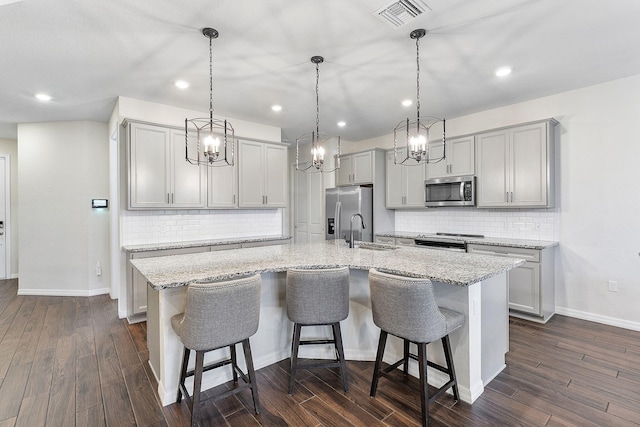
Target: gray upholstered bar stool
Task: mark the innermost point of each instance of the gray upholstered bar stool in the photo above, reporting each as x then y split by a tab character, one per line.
318	297
218	315
406	307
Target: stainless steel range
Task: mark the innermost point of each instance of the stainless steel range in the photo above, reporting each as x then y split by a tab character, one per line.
446	241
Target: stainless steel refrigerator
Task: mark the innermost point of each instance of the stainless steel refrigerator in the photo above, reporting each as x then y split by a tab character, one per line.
341	204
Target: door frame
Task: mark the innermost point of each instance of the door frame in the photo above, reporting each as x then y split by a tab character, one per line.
7	206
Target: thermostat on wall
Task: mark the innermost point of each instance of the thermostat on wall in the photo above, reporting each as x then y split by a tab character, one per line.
99	203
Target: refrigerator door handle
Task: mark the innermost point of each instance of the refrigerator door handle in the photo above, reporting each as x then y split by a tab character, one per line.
337	216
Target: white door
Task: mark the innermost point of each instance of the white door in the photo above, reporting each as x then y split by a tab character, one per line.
4	185
309	207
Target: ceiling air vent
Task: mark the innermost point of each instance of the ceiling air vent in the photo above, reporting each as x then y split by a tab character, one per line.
401	12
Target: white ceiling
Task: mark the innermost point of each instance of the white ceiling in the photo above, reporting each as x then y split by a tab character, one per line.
85	53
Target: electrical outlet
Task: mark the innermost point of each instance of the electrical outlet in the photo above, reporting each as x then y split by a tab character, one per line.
613	286
98	269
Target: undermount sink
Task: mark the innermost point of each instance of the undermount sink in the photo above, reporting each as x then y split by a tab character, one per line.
376	246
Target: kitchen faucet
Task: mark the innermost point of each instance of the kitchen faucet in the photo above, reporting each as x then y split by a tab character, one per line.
351	227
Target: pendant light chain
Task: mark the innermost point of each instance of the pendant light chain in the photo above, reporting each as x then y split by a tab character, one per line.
418	77
318	99
210	78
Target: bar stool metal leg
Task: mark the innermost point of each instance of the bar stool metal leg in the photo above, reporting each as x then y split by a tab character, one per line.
246	346
446	345
234	363
406	358
337	338
294	355
424	385
197	384
183	373
382	342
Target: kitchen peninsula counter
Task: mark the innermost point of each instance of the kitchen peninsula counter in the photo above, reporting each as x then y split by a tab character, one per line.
474	285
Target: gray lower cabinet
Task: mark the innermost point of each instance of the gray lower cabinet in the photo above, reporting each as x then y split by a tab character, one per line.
532	285
137	284
400	241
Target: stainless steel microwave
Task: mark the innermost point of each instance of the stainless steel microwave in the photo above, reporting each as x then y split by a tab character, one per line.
453	191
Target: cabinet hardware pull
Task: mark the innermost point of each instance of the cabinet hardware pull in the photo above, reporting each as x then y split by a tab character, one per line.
512	197
266	199
168	198
234	199
172	198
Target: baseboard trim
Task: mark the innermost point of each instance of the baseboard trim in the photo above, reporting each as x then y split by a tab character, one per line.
63	292
14	276
606	320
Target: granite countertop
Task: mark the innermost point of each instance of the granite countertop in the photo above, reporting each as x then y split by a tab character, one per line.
199	243
489	241
454	268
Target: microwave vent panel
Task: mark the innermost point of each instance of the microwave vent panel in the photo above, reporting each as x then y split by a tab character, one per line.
401	12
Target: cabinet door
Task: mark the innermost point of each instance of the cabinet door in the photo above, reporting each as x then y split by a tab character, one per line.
138	294
250	174
493	169
222	186
463	159
149	163
362	168
414	176
529	165
441	168
343	175
394	183
276	173
189	182
524	288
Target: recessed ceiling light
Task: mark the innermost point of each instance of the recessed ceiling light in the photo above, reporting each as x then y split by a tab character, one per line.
276	107
43	97
182	84
342	124
503	71
407	102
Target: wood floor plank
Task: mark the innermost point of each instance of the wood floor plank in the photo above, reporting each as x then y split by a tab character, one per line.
9	422
91	417
126	350
85	341
12	390
108	363
324	413
28	344
41	373
629	414
117	406
143	402
88	391
62	398
33	412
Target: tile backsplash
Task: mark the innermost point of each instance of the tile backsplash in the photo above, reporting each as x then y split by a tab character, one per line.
148	227
533	224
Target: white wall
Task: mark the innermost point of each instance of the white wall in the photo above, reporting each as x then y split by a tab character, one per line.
598	201
61	167
10	147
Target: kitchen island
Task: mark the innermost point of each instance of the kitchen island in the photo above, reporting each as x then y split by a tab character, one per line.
475	285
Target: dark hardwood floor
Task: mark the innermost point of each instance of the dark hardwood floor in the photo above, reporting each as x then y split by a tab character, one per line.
68	361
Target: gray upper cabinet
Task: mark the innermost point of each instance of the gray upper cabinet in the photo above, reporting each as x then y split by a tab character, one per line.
460	159
222	185
515	166
159	176
356	169
262	175
404	184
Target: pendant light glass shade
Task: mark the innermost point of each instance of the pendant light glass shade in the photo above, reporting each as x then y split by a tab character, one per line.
209	141
318	141
415	134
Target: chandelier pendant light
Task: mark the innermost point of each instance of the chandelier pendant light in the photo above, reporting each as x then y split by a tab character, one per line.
414	134
319	141
214	138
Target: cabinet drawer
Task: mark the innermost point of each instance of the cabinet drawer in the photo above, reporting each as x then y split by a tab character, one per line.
405	242
385	239
530	255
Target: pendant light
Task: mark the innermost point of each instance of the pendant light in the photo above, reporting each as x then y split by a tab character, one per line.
319	141
414	134
214	138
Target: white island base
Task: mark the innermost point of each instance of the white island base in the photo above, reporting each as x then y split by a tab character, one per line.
479	347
